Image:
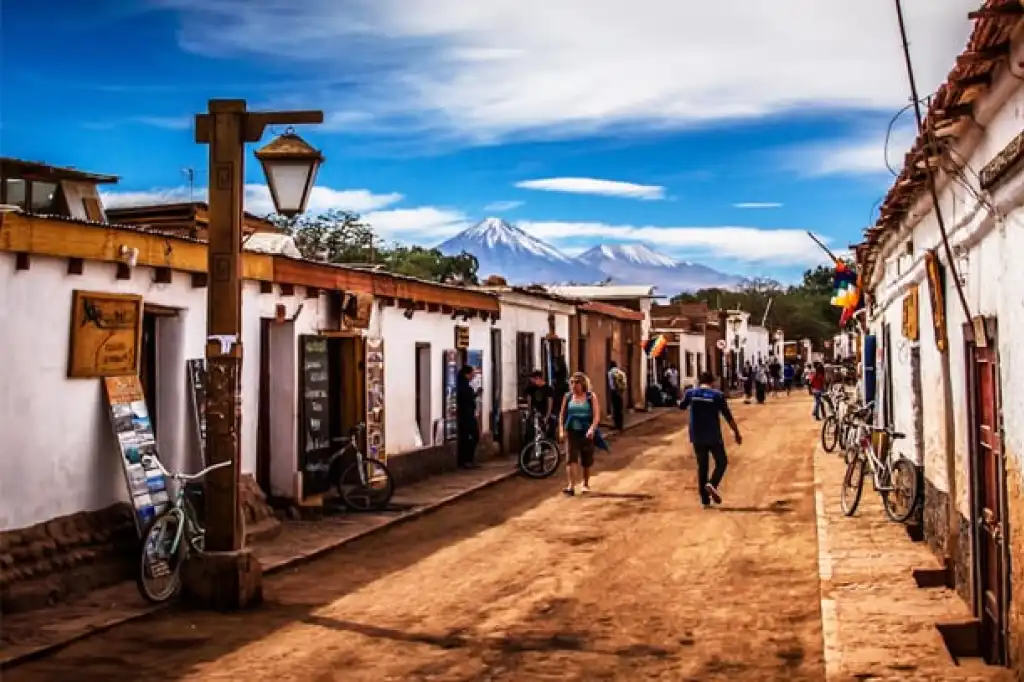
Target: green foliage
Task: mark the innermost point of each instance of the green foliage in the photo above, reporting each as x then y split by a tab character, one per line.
803	310
342	237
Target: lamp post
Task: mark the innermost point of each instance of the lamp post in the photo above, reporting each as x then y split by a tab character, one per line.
227	575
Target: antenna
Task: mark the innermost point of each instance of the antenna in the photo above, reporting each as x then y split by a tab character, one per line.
190	173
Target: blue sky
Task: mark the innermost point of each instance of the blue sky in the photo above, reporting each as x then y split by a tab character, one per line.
713	133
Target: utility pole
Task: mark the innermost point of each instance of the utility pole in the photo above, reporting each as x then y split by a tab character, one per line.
227	575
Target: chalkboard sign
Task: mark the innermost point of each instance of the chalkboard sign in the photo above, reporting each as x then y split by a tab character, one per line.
315	435
196	373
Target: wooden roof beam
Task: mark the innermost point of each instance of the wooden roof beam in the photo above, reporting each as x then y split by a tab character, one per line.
983	79
984	55
1010	8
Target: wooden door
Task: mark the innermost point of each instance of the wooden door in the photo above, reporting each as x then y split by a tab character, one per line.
497	427
989	500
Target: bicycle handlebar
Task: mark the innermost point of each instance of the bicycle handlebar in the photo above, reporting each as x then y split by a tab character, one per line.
148	459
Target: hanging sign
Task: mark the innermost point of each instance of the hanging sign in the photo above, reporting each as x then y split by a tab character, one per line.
133	432
106	332
461	338
375	401
933	268
450	363
911	330
196	372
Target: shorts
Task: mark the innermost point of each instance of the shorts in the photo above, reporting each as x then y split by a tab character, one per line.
581	449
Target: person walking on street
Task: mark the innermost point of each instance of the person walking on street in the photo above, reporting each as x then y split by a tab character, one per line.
775	375
760	382
706	405
787	377
578	421
748	383
468	426
817	386
616	391
672	379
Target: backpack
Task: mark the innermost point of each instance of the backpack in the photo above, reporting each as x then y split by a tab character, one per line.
619	377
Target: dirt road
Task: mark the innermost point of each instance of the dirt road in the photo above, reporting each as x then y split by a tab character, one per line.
634	582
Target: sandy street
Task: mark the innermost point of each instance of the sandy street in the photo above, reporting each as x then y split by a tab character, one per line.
634	582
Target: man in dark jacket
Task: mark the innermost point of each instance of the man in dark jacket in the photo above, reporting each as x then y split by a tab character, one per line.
466	418
706	404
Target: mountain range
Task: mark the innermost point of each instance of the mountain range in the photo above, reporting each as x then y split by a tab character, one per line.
506	250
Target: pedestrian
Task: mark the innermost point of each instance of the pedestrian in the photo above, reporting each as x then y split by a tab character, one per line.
467	423
817	386
788	372
775	375
617	384
672	379
761	382
578	421
706	404
748	383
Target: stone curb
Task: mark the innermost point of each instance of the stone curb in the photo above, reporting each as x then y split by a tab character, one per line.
296	560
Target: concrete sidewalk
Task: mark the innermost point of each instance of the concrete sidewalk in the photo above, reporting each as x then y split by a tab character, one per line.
877	623
33	634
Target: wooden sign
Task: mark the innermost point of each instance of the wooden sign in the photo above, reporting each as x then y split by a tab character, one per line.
911	328
933	268
358	311
461	338
106	332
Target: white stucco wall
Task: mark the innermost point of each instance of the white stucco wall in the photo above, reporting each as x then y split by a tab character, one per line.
400	338
694	344
520	314
59	452
994	281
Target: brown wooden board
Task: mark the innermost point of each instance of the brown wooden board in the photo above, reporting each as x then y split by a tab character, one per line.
106	332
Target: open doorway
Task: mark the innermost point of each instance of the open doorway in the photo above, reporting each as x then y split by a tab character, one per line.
348	384
147	364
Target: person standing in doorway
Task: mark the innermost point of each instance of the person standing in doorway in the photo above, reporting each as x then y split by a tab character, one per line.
706	406
468	431
542	401
617	395
817	386
578	421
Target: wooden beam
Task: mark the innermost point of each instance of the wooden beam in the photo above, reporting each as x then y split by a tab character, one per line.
987	54
123	271
1011	8
200	280
76	266
162	275
312	292
287	289
22	261
984	79
266	287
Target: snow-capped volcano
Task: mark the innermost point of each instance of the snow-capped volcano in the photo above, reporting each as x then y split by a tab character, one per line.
640	264
506	250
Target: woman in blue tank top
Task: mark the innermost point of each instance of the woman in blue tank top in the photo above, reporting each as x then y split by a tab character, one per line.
578	422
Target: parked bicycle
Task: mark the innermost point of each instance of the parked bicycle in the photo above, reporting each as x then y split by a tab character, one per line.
363	483
894	477
838	427
540	455
168	539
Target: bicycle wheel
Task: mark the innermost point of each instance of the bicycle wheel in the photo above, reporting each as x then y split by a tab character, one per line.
830	433
900	502
368	490
163	553
539	459
853	486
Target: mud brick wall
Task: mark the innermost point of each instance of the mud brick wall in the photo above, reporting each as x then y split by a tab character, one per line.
936	518
1015	527
66	556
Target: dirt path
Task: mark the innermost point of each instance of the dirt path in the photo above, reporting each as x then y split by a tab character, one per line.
519	583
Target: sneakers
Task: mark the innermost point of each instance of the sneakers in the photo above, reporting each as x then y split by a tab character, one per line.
570	491
584	488
713	493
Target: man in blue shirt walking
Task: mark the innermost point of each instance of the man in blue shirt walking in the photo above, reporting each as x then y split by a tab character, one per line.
706	404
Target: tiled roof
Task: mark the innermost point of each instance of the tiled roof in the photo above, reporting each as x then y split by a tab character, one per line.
987	48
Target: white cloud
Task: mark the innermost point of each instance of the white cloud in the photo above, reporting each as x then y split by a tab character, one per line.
166	122
865	154
757	204
608	188
502	206
487	69
425	225
748	244
258	201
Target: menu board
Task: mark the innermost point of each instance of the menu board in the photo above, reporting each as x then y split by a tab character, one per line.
375	399
450	363
196	372
315	433
133	431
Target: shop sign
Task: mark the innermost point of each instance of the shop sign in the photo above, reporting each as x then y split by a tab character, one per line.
461	338
911	328
106	332
933	269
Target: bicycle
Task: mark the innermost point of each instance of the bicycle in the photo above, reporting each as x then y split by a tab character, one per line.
891	477
365	484
538	458
169	539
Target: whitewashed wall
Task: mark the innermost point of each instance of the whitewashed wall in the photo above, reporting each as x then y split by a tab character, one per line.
59	453
994	282
520	314
400	338
693	344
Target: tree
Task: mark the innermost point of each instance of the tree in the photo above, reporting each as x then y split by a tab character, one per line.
343	237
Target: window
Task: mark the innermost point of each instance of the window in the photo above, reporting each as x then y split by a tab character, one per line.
423	392
700	362
14	192
689	364
525	359
44	197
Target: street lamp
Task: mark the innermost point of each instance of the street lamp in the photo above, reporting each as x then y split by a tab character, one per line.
290	166
227	575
